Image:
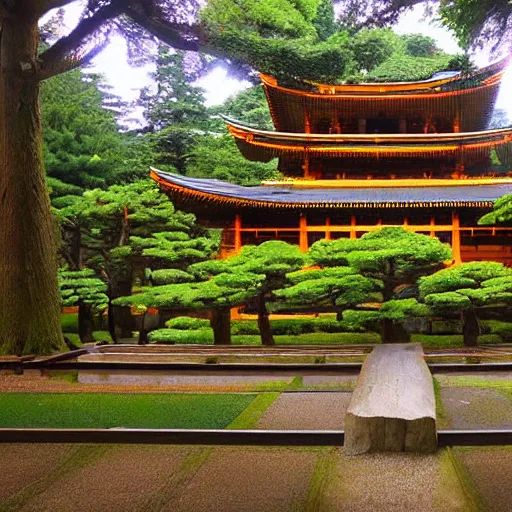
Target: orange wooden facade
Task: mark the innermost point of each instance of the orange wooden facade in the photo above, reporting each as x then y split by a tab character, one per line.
360	157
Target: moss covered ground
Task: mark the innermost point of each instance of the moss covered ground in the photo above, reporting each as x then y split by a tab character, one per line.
106	410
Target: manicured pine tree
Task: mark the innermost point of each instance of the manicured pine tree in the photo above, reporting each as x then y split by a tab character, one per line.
274	260
217	295
123	230
338	287
252	275
392	256
84	289
463	289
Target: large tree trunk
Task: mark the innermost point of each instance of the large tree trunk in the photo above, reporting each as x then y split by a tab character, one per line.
220	322
29	294
264	322
85	322
470	328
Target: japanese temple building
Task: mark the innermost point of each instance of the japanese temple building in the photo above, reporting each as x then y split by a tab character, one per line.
359	157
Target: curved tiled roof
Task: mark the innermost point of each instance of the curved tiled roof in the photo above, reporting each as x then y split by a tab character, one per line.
215	192
263	145
470	99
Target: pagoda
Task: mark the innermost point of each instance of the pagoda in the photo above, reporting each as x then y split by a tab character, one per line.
358	157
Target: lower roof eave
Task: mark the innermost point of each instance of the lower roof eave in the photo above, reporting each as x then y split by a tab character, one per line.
201	193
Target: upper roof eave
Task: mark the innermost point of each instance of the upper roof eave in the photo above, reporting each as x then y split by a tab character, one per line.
428	86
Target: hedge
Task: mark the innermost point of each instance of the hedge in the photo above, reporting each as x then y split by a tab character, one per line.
502	329
187	323
179	336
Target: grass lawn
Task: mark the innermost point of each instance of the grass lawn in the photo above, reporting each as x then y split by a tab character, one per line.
108	410
314	338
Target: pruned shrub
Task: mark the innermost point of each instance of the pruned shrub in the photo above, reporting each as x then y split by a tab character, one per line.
502	329
187	323
178	336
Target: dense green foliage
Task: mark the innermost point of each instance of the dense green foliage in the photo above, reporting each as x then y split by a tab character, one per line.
501	212
386	258
249	105
82	144
219	158
121	231
403	68
392	255
82	286
478	22
279	38
339	287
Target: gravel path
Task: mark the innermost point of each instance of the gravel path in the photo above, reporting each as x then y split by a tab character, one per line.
306	411
249	480
110	478
476	408
491	471
392	482
23	464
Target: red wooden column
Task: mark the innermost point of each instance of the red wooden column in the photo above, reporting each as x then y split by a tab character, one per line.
303	233
327	228
456	238
353	233
432	224
238	233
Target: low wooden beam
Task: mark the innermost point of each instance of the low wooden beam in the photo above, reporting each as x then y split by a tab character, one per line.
393	405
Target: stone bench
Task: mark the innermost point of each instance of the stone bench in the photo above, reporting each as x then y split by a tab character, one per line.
393	405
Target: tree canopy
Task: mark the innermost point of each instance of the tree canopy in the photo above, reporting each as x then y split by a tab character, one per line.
474	22
501	213
464	288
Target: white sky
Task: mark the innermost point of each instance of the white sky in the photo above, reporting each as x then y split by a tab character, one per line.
127	81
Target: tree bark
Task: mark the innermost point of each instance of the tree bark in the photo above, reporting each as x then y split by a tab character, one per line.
123	319
470	328
387	331
143	334
220	322
29	298
85	322
264	322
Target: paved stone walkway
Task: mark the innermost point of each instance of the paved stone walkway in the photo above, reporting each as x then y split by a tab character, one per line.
249	479
490	468
392	482
476	408
306	411
235	479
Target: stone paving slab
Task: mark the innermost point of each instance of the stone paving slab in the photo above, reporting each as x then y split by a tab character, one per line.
392	482
490	469
476	408
309	380
444	378
169	379
242	479
306	411
246	479
108	478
